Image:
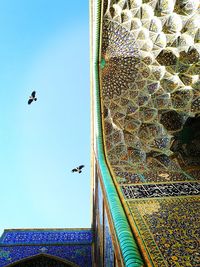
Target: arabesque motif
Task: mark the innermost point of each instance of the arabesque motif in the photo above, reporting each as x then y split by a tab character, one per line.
170	238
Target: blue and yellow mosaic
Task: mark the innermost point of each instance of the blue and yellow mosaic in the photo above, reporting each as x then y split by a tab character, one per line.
169	228
150	97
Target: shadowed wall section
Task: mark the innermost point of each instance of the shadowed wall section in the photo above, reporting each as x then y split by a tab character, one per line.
41	261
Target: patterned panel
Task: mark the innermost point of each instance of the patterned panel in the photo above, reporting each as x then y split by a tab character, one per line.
46	237
155	176
18	244
119	54
150	88
169	229
79	254
160	190
150	99
108	246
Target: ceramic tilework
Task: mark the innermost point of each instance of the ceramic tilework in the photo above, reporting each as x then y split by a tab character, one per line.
149	74
72	245
46	237
79	254
108	246
160	190
150	97
170	229
129	177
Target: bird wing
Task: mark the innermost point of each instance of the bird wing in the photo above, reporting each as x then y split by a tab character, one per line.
74	170
33	94
30	101
81	167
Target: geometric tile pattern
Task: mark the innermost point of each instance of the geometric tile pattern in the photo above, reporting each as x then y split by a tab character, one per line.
149	72
160	190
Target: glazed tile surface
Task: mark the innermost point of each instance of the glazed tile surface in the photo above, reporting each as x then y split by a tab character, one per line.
79	254
68	244
12	237
160	190
170	229
150	96
108	246
149	73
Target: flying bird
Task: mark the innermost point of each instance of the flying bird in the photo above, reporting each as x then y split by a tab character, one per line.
32	97
78	169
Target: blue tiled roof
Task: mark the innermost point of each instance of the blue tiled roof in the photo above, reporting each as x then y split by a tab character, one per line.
74	245
46	236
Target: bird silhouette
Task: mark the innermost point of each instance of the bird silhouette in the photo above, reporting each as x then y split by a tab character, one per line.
78	169
32	97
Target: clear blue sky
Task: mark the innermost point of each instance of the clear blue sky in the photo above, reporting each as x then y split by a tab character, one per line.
44	45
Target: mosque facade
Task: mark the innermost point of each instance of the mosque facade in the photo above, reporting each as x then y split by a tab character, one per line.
145	160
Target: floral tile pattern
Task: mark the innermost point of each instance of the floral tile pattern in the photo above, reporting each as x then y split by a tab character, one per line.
72	245
170	229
